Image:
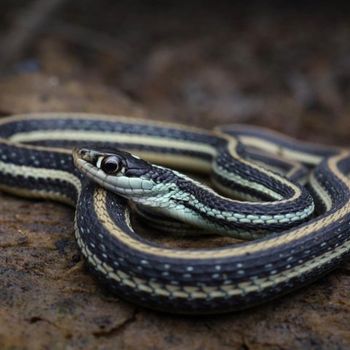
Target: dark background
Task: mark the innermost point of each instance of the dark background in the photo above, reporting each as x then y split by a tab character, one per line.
283	65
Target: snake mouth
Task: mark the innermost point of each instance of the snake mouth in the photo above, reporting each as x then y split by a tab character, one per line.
80	163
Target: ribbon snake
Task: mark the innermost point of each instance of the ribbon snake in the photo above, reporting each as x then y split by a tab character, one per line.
288	202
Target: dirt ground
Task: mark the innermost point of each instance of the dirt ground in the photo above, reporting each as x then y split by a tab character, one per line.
202	63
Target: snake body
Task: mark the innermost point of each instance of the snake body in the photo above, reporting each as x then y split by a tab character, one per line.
297	210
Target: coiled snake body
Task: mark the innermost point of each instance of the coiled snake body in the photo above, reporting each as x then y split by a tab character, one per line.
297	209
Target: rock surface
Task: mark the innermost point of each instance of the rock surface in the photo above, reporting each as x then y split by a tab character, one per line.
267	66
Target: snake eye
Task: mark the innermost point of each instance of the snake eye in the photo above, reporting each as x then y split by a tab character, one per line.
110	164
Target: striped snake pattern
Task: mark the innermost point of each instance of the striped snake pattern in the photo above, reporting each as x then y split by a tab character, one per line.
289	201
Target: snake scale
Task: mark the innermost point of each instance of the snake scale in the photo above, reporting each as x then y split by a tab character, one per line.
287	201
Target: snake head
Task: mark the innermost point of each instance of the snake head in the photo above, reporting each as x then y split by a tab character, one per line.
113	169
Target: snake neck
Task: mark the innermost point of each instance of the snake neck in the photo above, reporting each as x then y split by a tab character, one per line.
181	197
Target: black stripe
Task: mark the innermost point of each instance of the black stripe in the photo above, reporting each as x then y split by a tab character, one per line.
261	133
43	184
124	146
100	125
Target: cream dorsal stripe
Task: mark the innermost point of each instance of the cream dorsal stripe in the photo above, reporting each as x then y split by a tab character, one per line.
209	280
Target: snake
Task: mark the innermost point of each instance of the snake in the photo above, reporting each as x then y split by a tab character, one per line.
285	203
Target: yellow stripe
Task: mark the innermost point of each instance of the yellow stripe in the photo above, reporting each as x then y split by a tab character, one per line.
39	173
42	194
185	291
324	195
93	136
219	291
236	251
106	117
280	150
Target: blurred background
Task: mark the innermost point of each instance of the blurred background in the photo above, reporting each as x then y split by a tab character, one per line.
284	65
